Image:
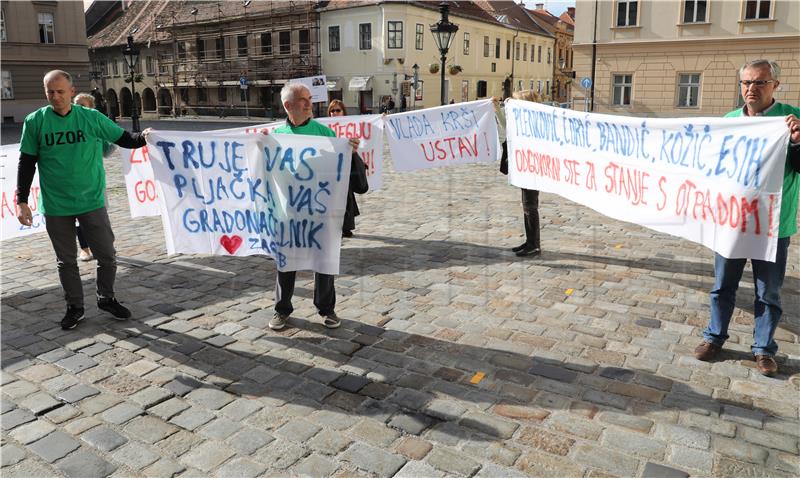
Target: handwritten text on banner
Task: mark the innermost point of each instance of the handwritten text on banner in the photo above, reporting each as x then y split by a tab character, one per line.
11	228
281	195
713	181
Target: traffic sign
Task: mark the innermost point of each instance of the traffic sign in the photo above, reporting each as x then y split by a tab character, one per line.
586	82
243	82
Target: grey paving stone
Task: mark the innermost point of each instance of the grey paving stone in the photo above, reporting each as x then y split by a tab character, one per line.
249	440
418	469
54	446
210	398
77	393
654	470
121	413
169	408
134	455
444	409
7	405
39	403
413	424
372	459
220	429
280	454
149	429
350	383
151	396
30	432
488	424
316	466
298	431
76	363
240	409
192	418
104	438
183	385
11	454
85	464
605	459
329	442
684	436
207	456
452	462
16	418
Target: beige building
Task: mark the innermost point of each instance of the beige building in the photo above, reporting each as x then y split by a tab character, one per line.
37	37
563	29
369	48
672	58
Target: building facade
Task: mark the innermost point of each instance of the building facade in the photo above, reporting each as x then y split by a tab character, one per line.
37	37
674	58
564	33
369	49
206	58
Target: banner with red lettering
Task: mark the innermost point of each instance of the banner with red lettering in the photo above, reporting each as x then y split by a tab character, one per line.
449	135
713	181
139	182
10	227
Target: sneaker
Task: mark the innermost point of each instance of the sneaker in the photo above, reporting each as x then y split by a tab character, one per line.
347	233
706	351
111	305
519	247
528	251
766	365
72	317
332	321
85	255
278	321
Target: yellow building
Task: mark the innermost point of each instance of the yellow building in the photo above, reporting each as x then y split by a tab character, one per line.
672	58
369	48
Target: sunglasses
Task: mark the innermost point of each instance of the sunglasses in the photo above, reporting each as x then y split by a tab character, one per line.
336	111
756	83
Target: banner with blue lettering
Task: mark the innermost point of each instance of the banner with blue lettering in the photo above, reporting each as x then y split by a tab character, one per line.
449	135
10	227
280	195
713	181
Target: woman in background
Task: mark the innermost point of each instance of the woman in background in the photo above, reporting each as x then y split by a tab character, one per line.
358	178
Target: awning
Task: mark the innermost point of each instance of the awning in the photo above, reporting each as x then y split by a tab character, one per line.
359	83
333	85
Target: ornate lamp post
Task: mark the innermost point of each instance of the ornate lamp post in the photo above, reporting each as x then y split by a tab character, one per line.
415	84
443	33
131	54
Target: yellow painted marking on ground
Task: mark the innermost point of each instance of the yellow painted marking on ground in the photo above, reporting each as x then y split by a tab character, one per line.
618	246
569	291
477	378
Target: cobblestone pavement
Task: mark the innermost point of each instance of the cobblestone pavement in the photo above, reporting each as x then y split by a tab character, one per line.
455	358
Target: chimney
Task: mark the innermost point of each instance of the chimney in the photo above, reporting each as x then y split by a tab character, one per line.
540	6
571	11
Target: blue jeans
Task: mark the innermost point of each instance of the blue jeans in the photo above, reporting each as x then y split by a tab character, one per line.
768	278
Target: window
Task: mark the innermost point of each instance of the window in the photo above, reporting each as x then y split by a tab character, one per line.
181	51
497	48
689	90
524	52
481	92
486	46
365	36
266	43
125	70
104	69
243	95
626	13
516	51
508	49
3	25
539	50
241	44
220	47
284	43
539	86
115	68
547	90
185	95
305	42
466	43
419	37
149	65
333	38
8	86
694	11
494	67
46	28
755	9
201	50
532	82
202	95
222	94
549	55
519	85
395	32
623	84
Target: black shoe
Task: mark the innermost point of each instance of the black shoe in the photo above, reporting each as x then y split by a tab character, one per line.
519	247
529	251
347	233
72	317
111	305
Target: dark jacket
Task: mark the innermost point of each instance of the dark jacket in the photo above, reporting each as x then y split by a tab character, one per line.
358	184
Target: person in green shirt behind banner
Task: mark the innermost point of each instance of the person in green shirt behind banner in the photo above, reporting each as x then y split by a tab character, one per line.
66	141
296	100
759	80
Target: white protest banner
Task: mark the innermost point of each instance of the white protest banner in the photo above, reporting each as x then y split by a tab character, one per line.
281	195
442	136
316	85
11	228
139	182
713	181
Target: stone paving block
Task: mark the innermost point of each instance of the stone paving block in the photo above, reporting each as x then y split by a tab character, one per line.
682	435
709	424
150	396
192	418
121	413
207	456
249	440
76	363
444	409
210	398
410	399
316	465
163	468
639	424
32	431
768	439
372	459
169	408
182	385
451	462
374	432
16	418
104	438
654	470
240	409
691	458
412	424
488	424
11	454
178	443
490	470
149	429
76	427
333	419
19	389
740	450
605	459
77	393
751	418
350	383
220	429
280	454
413	448
54	446
85	464
135	456
633	443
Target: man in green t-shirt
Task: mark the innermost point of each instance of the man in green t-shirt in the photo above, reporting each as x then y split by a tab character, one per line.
296	100
758	80
66	141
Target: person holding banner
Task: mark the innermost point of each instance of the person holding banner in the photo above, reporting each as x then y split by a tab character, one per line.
758	80
66	141
358	178
296	99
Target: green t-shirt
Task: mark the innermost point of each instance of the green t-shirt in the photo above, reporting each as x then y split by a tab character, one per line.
311	128
70	151
791	178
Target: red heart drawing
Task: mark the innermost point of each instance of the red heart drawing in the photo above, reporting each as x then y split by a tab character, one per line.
230	243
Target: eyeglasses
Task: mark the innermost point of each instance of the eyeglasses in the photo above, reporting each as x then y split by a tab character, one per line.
335	111
756	83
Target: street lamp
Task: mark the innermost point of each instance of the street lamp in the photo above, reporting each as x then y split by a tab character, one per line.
443	33
131	54
416	85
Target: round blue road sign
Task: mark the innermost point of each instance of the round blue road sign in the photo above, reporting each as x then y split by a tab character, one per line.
586	82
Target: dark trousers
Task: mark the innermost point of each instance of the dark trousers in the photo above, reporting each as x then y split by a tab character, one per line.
81	238
530	207
100	238
324	293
